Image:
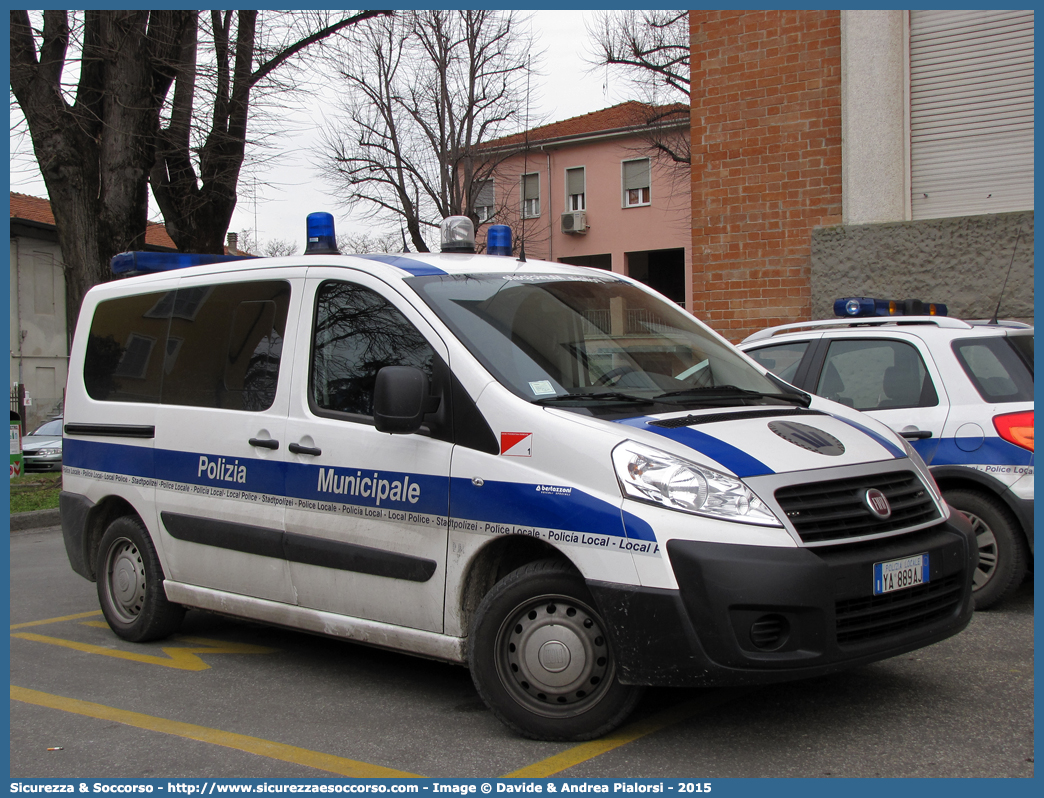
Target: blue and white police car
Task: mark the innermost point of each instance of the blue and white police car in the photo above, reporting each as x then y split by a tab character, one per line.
550	474
960	391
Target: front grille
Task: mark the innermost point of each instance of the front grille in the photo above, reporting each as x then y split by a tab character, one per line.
869	618
831	511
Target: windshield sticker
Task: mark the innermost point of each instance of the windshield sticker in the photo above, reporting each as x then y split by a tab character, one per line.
542	388
516	444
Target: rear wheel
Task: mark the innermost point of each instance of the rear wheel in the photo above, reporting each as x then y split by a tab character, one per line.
130	584
541	660
1002	553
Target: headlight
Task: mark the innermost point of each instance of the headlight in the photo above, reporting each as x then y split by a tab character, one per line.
650	475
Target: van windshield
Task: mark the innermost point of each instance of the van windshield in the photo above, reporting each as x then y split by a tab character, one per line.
588	341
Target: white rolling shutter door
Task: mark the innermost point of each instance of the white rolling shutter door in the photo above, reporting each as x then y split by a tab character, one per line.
971	112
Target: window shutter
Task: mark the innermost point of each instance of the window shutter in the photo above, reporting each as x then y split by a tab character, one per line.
484	197
636	174
531	187
575	181
971	112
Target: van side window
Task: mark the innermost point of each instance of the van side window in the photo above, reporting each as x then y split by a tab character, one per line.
204	346
357	333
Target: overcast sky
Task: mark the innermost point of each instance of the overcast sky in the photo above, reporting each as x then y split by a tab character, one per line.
287	189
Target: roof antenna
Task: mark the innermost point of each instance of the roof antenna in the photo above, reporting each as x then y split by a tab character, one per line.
525	167
405	246
996	312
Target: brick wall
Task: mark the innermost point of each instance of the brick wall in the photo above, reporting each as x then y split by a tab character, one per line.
766	161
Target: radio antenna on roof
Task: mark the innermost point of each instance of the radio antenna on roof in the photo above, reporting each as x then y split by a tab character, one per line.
996	311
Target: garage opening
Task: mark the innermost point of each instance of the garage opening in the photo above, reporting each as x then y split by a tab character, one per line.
662	270
594	261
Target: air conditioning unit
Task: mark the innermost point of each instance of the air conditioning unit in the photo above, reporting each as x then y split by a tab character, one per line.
574	222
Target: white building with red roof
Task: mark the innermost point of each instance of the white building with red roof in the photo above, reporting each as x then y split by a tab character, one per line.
39	338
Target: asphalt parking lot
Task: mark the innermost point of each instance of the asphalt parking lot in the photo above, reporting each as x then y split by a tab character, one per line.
229	699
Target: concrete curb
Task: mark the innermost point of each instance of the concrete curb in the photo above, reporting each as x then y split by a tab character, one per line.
34	519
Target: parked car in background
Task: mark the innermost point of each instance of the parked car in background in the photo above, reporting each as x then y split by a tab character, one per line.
960	391
42	448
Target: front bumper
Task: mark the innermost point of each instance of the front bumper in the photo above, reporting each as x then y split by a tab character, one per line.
754	614
43	462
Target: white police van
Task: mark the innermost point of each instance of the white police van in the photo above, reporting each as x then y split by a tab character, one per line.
961	392
550	474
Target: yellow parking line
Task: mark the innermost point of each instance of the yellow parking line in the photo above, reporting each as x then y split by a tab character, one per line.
240	742
57	620
630	733
180	657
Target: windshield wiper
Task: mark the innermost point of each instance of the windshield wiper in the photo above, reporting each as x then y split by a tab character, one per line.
603	397
730	392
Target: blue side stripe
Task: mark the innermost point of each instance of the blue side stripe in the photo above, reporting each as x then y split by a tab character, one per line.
115	458
495	502
890	446
527	505
415	267
993	451
736	460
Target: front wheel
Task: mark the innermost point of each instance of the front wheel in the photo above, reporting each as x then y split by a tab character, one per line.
541	659
1002	556
130	584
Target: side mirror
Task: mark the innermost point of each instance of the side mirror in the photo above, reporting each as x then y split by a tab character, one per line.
401	399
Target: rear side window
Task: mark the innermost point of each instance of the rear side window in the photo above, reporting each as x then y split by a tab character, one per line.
782	360
1023	344
995	369
206	346
876	374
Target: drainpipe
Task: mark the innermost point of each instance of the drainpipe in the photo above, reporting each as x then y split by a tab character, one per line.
550	216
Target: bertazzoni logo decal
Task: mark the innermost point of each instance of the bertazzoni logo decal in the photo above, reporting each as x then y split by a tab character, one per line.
815	440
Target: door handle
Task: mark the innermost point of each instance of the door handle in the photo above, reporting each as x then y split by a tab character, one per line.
297	448
916	434
264	443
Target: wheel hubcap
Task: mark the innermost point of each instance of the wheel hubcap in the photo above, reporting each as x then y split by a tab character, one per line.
126	580
553	657
987	544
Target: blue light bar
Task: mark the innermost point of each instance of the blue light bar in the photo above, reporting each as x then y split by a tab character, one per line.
322	240
128	263
498	240
862	306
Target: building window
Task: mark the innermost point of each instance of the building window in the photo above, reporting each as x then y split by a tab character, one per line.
576	197
636	182
530	195
484	202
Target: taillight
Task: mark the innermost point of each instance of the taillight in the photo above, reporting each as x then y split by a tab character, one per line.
1016	428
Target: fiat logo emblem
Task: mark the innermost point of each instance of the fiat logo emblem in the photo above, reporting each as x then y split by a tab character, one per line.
877	503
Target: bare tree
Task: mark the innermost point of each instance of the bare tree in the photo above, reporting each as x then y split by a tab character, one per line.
278	248
126	115
358	243
650	50
202	143
272	248
95	143
423	90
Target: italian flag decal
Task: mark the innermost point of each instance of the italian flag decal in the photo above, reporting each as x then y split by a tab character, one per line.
516	444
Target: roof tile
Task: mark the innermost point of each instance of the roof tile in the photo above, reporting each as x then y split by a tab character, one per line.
36	209
619	117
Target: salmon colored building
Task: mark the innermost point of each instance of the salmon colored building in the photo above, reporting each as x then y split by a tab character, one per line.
591	191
